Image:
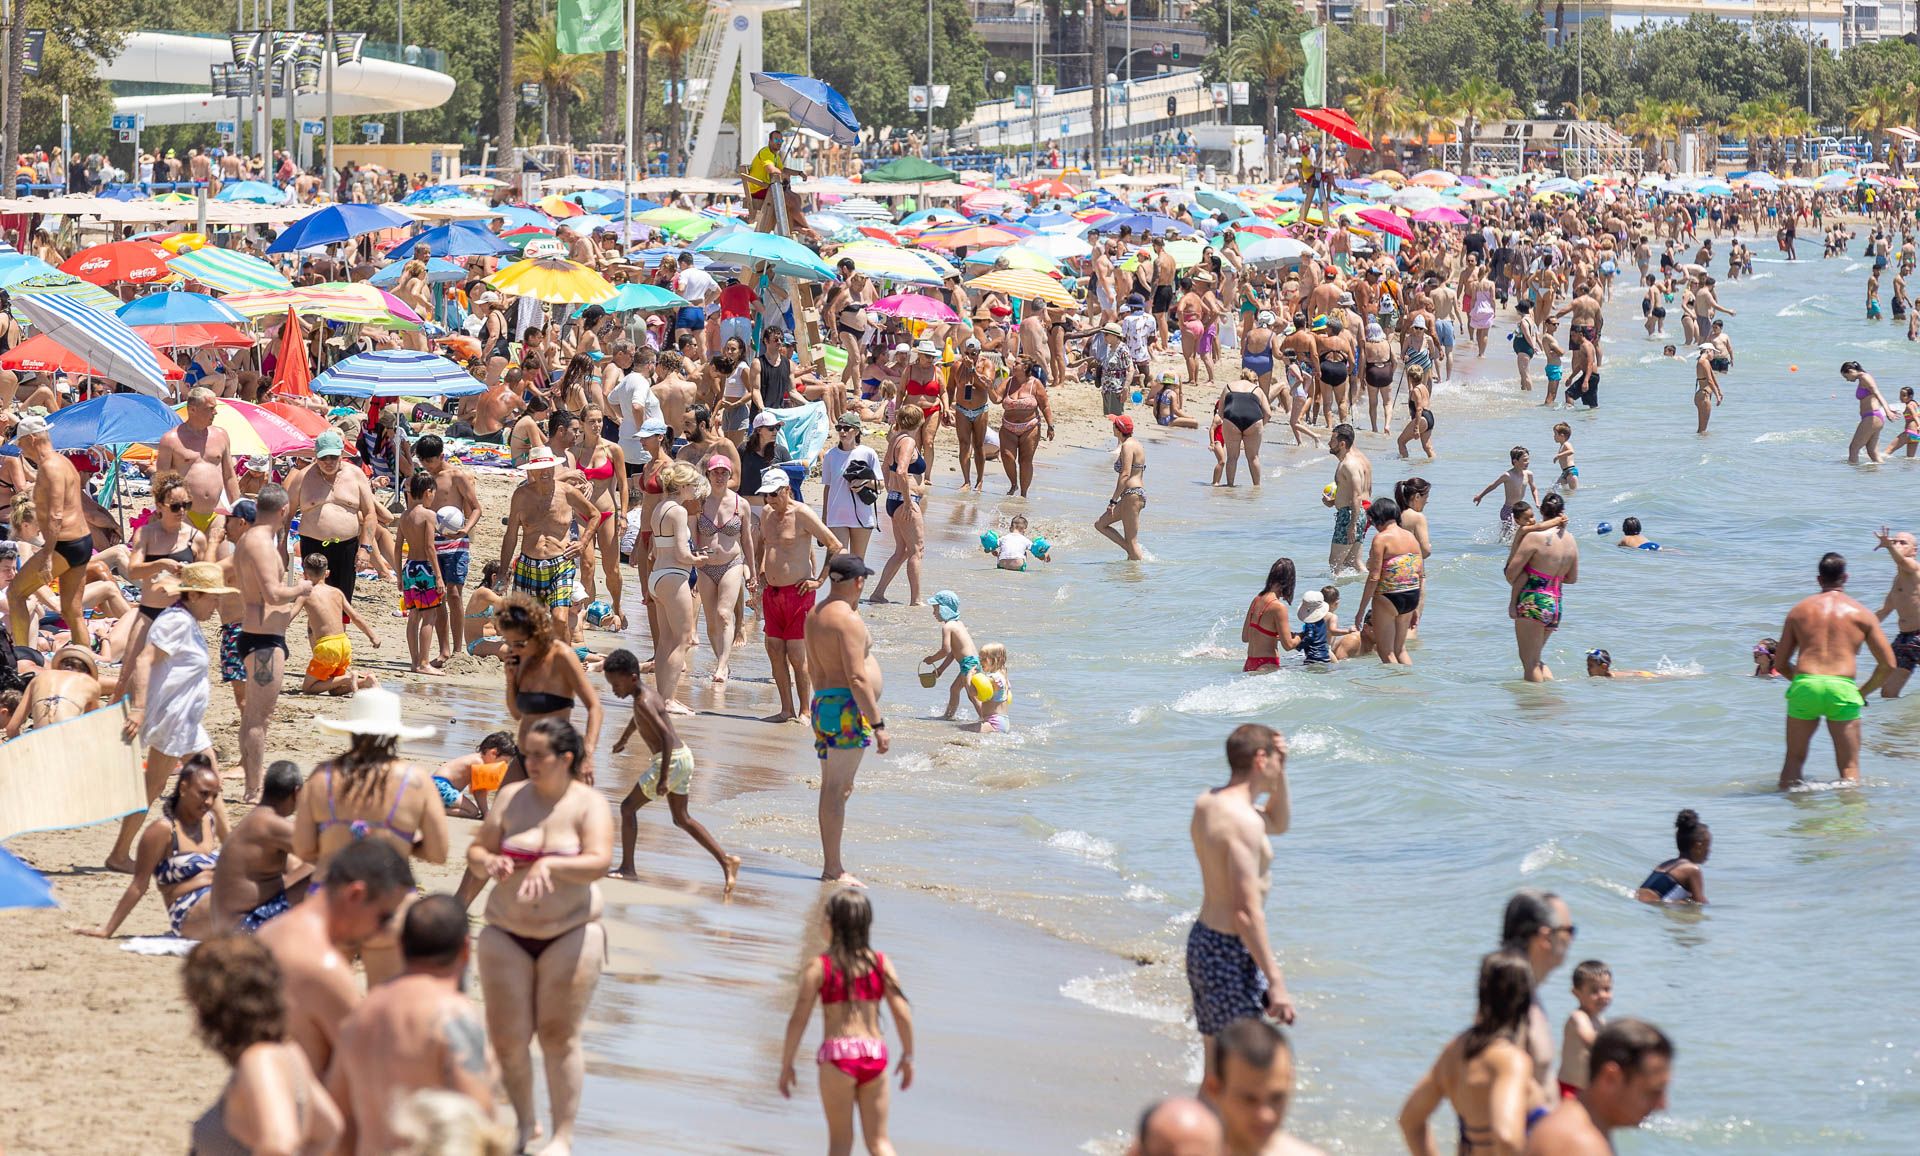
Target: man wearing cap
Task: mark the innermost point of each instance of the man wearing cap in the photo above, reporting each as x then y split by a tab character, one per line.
63	524
788	532
542	512
268	606
203	455
767	170
846	702
335	502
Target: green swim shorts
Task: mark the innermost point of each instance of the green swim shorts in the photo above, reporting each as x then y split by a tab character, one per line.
1829	696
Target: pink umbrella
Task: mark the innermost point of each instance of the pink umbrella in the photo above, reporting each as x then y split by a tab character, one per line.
914	307
1440	215
1386	221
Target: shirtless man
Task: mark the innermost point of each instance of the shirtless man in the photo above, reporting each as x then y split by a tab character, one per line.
846	702
68	688
336	506
1538	927
63	526
1631	1064
1104	293
1826	631
675	395
1904	596
1352	485
788	532
269	604
1163	275
542	511
415	1032
1178	1126
1448	322
203	455
1705	305
453	484
258	875
315	943
1231	969
1249	1083
1583	311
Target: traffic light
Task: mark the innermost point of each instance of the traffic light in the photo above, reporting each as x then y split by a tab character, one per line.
1176	50
1173	107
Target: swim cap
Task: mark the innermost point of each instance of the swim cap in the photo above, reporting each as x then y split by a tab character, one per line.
946	605
1604	528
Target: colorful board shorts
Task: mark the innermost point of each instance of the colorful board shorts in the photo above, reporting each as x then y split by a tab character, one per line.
1226	983
837	722
332	657
679	774
449	794
252	920
453	556
231	668
548	580
1830	696
420	586
1343	534
784	609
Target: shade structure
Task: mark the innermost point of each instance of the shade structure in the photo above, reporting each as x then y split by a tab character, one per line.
178	309
134	262
299	417
788	257
907	171
812	103
292	374
634	295
41	354
229	271
554	280
1025	285
253	192
440	271
454	239
966	236
21	885
197	335
1387	221
336	223
1337	124
114	419
893	264
253	430
58	284
915	307
105	341
397	373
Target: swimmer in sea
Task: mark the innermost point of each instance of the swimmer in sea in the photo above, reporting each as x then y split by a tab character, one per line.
1600	665
1680	879
1763	658
1903	596
1630	536
1818	651
1265	629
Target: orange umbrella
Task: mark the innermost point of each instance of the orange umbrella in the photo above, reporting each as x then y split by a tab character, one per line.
290	372
299	417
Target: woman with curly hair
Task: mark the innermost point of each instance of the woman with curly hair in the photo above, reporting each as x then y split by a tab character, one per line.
273	1101
545	676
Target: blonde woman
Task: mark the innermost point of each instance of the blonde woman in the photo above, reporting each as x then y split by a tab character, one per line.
670	582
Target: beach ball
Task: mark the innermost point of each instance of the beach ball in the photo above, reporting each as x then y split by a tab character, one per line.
1604	528
1330	491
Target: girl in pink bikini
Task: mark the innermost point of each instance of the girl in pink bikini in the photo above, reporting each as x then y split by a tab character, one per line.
850	979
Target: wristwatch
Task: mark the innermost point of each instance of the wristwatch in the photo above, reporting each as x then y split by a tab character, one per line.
878	724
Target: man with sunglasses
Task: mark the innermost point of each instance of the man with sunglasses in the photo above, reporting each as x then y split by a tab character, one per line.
1538	926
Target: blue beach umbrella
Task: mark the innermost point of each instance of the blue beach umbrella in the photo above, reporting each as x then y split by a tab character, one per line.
253	192
337	223
439	272
397	373
21	885
432	193
632	296
16	267
1159	224
454	239
788	257
179	308
812	103
520	216
114	419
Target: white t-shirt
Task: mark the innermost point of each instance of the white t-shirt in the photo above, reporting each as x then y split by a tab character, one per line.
1014	547
842	508
695	285
635	523
177	686
633	406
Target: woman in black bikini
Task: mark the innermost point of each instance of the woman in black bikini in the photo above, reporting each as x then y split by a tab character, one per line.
160	548
544	844
1680	879
1242	411
847	305
906	478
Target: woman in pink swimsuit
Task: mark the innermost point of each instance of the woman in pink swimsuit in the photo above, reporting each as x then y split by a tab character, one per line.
850	980
1873	413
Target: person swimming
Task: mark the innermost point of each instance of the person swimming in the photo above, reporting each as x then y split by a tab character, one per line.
1680	879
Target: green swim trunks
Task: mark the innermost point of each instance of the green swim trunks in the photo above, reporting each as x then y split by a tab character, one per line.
1829	696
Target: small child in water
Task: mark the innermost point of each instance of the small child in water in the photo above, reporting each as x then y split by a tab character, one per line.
1555	354
1518	480
1015	547
1763	658
956	646
1593	987
1563	457
993	708
1345	643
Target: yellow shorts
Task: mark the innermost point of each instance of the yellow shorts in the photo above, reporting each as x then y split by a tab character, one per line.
679	774
332	657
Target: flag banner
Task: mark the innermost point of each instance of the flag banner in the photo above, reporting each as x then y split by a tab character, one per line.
590	26
1313	78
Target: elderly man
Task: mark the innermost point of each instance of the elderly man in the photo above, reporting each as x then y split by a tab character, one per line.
542	512
203	455
63	526
336	507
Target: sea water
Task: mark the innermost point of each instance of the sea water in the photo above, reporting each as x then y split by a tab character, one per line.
1423	797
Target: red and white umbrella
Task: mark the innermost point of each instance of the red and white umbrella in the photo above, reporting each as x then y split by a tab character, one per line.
135	262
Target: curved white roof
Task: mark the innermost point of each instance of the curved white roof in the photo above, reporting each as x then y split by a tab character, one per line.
369	88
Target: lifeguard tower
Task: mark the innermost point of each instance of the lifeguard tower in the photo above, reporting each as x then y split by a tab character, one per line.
729	51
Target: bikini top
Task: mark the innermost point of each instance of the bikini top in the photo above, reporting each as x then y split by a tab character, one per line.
869	988
540	702
650	484
598	473
728	529
927	388
1862	392
180	866
530	855
360	828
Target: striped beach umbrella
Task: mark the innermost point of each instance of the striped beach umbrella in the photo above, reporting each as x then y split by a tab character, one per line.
356	304
254	430
885	261
864	209
229	271
104	340
57	284
1025	285
397	373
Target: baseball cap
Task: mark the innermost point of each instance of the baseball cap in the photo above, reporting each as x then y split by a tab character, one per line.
654	429
848	421
1121	422
846	567
771	481
719	462
765	420
972	343
329	445
245	510
30	426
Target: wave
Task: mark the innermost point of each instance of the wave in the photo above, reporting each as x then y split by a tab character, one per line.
1545	855
1118	992
1210	646
1092	848
1255	694
1795	436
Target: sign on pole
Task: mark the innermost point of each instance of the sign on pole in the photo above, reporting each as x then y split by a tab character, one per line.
311	128
223	127
1219	93
1159	49
1241	92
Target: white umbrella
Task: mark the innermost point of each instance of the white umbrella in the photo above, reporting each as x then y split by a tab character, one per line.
1056	246
1269	251
97	337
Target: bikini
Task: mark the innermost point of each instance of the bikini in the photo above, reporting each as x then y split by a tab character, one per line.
599	474
929	388
1027	402
862	1059
659	572
1863	393
1131	490
715	571
180	867
541	702
360	828
535	946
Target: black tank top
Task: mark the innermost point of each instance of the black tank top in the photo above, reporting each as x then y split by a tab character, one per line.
776	382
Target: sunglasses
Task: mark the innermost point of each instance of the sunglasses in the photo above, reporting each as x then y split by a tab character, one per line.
179	507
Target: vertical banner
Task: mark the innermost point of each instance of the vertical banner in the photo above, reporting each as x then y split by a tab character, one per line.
590	26
1313	78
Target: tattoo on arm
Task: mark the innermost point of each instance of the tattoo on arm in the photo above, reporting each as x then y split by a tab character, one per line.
466	1044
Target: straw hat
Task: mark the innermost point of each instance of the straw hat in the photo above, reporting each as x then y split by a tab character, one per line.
375	711
201	578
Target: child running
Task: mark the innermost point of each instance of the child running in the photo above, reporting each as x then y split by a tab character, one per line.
1518	480
850	980
420	577
671	772
956	647
1593	987
330	671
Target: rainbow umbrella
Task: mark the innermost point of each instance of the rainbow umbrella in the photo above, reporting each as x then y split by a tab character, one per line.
255	430
101	339
354	304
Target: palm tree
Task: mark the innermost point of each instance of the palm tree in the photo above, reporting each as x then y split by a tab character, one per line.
1372	105
1270	56
671	35
507	100
1424	109
1587	107
1476	101
610	95
538	60
1651	123
1878	109
1750	122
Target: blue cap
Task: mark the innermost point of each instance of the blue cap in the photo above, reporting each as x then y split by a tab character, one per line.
654	429
946	605
329	445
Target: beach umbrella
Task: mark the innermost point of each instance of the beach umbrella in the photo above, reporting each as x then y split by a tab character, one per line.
354	303
1336	123
558	207
292	375
1434	178
1392	177
439	272
196	335
1048	187
1016	258
453	239
336	223
813	104
676	222
113	419
1479	195
1440	215
1386	221
171	199
135	262
637	296
1157	224
41	354
59	284
967	236
429	194
21	885
1222	201
1273	251
299	417
988	200
397	373
255	431
1416	197
228	270
1025	285
478	182
889	263
254	192
915	307
585	224
553	280
519	216
1056	246
863	209
788	257
178	308
101	338
924	215
16	267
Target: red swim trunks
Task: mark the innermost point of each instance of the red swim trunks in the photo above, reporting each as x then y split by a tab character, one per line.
785	610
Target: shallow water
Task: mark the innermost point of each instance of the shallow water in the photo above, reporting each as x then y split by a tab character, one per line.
1423	797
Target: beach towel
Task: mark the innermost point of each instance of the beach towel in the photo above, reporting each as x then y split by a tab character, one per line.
70	774
803	431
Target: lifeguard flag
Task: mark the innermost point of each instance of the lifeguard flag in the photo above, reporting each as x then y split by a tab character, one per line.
591	26
291	374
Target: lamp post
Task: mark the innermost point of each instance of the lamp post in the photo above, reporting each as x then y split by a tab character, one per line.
400	43
1033	93
929	80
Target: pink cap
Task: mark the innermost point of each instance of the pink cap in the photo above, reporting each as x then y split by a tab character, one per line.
719	462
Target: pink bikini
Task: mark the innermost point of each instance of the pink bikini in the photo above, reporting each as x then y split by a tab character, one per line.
862	1058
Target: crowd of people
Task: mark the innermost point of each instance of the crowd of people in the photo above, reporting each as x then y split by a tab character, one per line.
675	442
